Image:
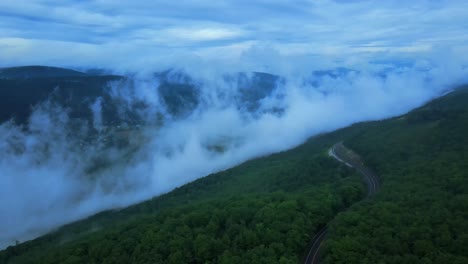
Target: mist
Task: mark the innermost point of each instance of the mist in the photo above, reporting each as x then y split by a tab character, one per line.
52	172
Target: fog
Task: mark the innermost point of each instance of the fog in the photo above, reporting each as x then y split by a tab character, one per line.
48	171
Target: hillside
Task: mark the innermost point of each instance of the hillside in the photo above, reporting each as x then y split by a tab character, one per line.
32	72
24	88
20	96
420	215
266	210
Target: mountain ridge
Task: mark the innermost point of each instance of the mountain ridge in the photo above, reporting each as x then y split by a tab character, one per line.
37	71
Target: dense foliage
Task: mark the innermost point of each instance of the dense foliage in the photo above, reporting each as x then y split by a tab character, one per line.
265	210
18	97
421	213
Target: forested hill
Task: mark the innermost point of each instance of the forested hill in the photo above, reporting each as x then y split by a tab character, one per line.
32	72
22	89
266	210
421	212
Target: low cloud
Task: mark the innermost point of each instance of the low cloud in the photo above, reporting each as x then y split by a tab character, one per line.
53	172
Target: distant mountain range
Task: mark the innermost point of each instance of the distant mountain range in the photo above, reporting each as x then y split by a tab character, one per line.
22	88
32	72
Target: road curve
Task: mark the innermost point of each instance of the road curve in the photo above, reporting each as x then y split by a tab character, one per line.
351	159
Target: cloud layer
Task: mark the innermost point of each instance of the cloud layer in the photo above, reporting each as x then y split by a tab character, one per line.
53	172
158	33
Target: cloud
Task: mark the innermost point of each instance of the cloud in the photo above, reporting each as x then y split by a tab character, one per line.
155	28
187	36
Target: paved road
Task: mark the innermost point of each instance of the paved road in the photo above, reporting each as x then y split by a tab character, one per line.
351	159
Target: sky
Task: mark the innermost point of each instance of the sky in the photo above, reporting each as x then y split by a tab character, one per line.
107	33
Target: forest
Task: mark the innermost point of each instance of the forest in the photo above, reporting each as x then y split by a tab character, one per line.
267	210
421	213
264	210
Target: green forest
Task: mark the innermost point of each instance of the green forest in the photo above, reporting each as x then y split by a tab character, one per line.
265	210
420	214
268	209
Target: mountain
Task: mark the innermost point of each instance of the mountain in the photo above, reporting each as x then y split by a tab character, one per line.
267	210
20	96
32	72
23	88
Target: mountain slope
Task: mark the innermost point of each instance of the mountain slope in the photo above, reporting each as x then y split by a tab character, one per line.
266	210
20	96
421	214
32	72
24	88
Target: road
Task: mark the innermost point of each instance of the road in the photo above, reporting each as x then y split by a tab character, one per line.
351	159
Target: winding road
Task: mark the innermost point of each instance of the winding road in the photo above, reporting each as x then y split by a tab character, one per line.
351	159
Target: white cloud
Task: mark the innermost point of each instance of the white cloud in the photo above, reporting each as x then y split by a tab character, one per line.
202	34
187	36
293	27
